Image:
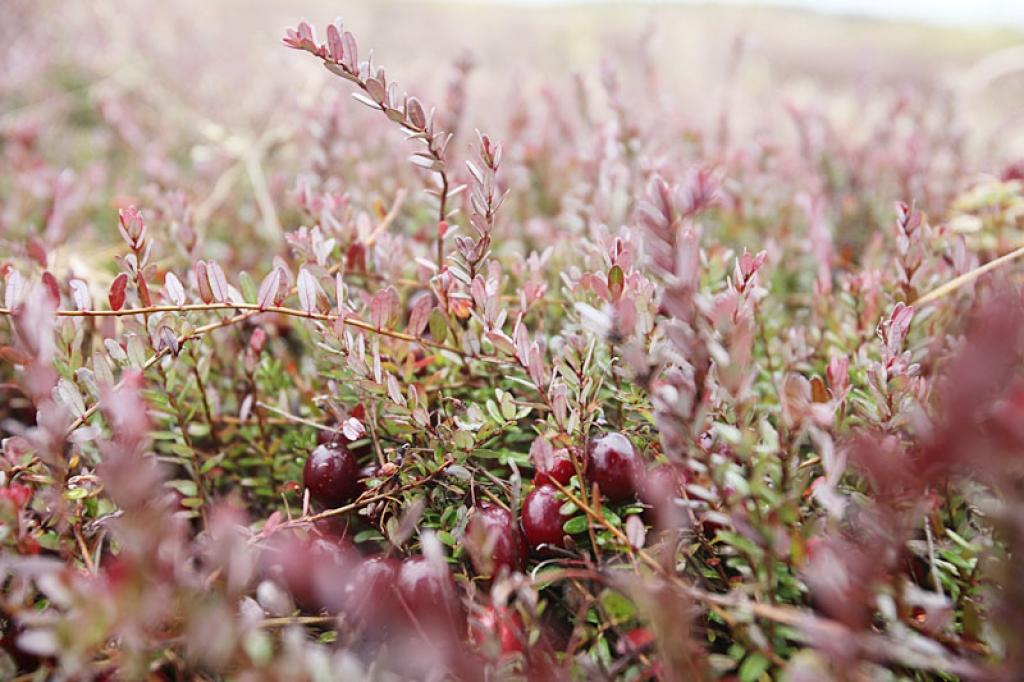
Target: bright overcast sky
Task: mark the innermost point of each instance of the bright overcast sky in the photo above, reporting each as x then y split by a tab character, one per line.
972	12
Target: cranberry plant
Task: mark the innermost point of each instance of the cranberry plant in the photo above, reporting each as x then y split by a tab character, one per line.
610	398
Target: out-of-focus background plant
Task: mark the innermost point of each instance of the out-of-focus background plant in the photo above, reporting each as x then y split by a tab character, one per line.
564	342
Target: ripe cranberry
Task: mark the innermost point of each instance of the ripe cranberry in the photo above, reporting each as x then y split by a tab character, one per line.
559	467
331	474
429	596
542	520
494	541
503	625
370	594
613	463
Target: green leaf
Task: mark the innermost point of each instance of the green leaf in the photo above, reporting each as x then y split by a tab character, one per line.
492	409
618	607
576	525
438	328
248	287
753	667
616	282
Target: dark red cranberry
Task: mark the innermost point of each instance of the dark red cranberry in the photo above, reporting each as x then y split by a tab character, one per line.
331	475
371	598
542	520
502	625
613	463
494	541
559	467
429	596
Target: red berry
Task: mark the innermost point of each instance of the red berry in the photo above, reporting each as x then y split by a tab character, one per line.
494	541
542	520
559	468
331	475
429	596
613	463
503	625
371	596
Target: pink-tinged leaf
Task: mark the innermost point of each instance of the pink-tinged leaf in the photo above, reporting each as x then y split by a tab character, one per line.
560	401
351	51
688	260
395	391
80	296
542	454
143	288
419	316
271	525
339	293
173	289
51	287
501	341
269	288
36	251
218	282
335	49
522	339
479	291
118	290
68	395
309	291
14	285
636	532
416	115
168	341
382	306
838	374
536	366
353	428
376	90
203	281
246	408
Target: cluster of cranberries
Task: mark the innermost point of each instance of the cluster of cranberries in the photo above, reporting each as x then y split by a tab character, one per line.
382	591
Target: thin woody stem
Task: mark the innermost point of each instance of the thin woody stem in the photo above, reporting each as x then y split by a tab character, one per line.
256	309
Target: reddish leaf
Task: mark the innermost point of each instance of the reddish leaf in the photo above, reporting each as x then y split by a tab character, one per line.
144	297
52	287
218	282
420	315
118	289
203	282
269	289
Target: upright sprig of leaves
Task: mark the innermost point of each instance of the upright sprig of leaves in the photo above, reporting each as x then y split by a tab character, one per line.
340	55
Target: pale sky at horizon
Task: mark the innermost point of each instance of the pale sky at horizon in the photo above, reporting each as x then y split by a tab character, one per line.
956	12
